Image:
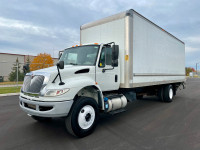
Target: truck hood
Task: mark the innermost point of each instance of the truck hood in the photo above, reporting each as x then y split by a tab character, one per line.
69	71
54	69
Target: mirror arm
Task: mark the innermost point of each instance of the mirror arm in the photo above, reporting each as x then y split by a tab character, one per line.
104	70
61	83
55	79
109	43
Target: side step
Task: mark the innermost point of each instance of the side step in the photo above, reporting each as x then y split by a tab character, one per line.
117	111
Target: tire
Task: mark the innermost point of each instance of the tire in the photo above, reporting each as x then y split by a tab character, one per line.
168	93
160	94
139	97
83	117
41	119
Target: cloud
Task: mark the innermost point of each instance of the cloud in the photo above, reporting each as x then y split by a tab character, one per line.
191	49
25	35
52	25
108	7
25	27
194	39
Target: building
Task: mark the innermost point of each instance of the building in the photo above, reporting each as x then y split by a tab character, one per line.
7	60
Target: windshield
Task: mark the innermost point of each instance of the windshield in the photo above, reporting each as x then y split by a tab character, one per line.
82	55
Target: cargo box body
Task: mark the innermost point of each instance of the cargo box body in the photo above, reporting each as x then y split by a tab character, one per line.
148	55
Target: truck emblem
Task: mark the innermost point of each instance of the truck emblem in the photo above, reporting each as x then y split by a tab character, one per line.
32	76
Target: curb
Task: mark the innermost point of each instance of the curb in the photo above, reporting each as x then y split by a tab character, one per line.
9	94
11	85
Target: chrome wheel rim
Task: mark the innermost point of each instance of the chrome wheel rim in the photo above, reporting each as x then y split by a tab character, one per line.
86	117
170	93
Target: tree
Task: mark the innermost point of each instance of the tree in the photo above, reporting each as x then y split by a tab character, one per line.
193	70
13	74
26	67
41	61
188	70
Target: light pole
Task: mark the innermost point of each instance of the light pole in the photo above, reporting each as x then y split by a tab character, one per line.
17	72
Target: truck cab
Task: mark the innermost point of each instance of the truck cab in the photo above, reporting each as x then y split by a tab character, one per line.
84	71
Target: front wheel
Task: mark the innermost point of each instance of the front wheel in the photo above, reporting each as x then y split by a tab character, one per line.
83	117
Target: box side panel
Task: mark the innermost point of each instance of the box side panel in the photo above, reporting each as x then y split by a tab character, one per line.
157	56
113	31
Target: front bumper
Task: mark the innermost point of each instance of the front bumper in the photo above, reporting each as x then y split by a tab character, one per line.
45	109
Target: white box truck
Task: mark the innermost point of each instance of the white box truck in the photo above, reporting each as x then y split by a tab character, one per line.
121	58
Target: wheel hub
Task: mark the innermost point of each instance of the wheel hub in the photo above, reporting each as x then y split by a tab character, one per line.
86	117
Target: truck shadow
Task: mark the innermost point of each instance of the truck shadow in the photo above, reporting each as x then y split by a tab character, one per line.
57	125
133	108
54	127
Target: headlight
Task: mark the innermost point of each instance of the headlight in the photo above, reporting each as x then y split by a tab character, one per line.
56	92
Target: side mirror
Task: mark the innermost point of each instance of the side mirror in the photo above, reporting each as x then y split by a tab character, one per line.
115	63
115	52
60	64
115	55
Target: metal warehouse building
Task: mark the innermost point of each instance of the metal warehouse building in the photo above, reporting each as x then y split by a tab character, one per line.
7	60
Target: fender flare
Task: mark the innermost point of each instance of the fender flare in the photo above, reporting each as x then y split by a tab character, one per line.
100	100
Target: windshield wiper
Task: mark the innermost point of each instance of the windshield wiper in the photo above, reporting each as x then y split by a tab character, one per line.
73	64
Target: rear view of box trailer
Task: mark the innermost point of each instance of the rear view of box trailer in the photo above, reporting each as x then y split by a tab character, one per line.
148	55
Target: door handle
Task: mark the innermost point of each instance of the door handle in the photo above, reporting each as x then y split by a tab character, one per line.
116	78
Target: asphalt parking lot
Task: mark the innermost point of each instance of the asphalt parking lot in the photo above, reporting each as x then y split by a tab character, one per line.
147	124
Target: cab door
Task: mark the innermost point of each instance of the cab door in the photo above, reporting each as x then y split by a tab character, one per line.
107	77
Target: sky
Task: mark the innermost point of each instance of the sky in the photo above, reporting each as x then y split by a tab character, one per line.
38	26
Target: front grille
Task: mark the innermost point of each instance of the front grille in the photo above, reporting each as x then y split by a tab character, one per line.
33	84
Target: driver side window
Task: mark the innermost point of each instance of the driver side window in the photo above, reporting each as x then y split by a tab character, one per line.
102	59
106	57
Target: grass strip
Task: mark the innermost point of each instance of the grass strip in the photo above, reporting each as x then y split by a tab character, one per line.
5	90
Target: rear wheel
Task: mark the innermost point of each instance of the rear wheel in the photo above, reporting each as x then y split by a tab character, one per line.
83	117
160	94
139	97
168	93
